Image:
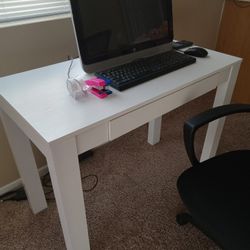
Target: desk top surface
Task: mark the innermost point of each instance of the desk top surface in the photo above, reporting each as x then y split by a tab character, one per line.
40	98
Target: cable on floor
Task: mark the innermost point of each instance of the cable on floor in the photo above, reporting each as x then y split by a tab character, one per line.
19	194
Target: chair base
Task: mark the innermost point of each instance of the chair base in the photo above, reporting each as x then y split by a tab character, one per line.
183	219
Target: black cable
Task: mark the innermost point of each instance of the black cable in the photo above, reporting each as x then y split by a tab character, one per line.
95	184
19	194
46	182
241	4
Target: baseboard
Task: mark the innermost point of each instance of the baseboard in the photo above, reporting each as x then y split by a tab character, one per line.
18	183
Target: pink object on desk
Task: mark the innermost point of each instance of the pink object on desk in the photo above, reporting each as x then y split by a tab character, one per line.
98	87
99	93
96	82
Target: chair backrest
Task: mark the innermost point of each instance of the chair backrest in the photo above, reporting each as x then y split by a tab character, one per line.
191	126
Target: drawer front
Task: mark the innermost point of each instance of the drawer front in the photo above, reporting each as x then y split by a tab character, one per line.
92	138
123	124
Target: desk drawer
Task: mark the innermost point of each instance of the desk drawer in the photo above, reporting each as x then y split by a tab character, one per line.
134	119
92	138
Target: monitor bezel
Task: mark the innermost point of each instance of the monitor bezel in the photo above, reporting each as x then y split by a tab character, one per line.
148	48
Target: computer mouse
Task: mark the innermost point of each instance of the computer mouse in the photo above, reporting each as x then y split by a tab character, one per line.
196	51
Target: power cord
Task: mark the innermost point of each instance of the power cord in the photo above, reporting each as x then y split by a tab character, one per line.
16	195
46	182
19	194
70	66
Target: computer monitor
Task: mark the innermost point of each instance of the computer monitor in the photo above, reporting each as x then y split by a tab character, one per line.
114	32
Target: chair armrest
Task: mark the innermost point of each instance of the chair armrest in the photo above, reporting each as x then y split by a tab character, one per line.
203	118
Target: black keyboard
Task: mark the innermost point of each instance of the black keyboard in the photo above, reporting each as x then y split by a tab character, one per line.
141	70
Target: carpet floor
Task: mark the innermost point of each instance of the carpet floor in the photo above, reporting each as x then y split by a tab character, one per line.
135	202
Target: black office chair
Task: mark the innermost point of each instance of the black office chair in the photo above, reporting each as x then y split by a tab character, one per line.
216	192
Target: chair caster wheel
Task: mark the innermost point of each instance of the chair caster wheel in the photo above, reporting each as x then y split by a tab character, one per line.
183	218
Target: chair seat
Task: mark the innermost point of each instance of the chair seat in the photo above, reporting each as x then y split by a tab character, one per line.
217	195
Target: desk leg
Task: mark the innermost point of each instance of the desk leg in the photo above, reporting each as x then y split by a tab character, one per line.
66	180
223	96
154	131
26	165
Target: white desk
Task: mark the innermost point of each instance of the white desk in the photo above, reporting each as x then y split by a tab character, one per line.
36	106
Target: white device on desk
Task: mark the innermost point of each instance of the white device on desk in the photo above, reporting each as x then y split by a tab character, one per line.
76	85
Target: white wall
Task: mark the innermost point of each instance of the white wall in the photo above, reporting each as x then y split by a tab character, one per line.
25	47
35	45
197	20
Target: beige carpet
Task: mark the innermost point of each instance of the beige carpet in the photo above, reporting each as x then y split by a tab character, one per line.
135	202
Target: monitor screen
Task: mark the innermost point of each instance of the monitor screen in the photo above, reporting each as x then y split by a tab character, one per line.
115	31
